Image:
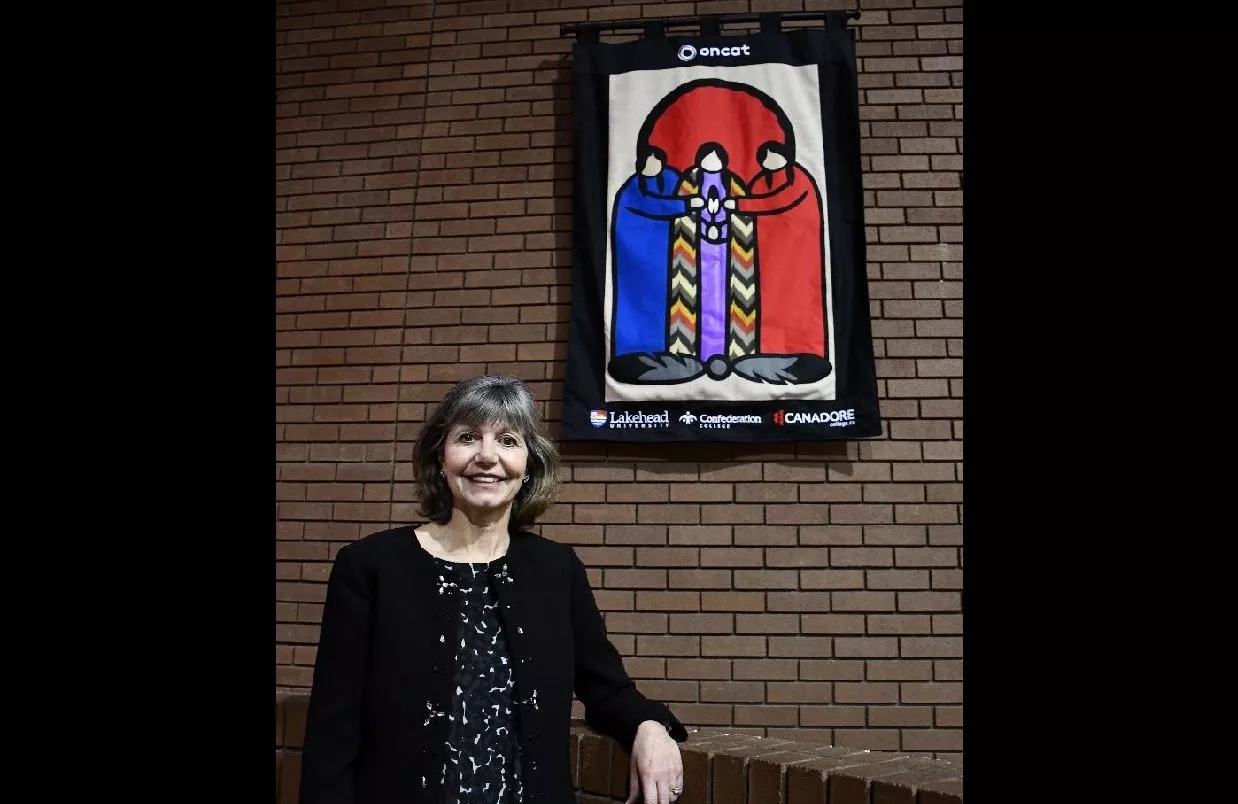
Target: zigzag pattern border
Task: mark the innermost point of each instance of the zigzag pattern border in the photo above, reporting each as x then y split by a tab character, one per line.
742	301
682	297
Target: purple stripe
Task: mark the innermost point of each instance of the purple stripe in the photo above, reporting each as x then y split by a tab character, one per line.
713	299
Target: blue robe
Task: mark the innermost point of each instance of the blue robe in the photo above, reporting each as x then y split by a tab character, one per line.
644	210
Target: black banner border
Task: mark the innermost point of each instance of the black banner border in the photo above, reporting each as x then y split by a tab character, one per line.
584	385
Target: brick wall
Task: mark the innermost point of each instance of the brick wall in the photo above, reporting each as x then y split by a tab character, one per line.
810	592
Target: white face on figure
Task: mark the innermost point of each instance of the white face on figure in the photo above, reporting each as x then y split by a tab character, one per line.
712	162
484	466
652	166
774	161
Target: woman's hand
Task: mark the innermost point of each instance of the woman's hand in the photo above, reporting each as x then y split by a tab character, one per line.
655	772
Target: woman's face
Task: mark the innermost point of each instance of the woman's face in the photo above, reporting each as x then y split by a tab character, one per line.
484	466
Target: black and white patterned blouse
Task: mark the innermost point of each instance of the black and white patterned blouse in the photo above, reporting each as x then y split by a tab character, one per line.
484	765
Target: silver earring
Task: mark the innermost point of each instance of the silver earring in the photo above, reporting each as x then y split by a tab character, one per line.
441	473
526	478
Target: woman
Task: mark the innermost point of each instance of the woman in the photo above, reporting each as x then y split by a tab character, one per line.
449	652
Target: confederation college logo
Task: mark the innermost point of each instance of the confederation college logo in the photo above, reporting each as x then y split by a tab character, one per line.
708	421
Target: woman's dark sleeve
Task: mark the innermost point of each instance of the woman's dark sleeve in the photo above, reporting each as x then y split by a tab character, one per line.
612	703
333	722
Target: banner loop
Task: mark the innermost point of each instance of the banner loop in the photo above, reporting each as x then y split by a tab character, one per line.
706	25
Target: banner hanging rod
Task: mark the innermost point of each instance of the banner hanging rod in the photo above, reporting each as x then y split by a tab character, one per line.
709	23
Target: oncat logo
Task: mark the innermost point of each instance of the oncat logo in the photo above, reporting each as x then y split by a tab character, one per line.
689	52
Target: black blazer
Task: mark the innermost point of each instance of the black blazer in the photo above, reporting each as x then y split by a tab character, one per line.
382	665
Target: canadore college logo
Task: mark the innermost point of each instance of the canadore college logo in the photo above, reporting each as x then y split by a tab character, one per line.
833	418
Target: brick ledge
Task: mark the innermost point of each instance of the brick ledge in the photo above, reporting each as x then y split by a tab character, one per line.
720	767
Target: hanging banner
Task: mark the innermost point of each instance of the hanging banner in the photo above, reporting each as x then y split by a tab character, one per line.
718	276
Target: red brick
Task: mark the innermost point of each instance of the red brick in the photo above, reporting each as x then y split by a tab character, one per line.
922	80
732	601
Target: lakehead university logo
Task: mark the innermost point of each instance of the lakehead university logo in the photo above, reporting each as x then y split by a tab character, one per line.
630	420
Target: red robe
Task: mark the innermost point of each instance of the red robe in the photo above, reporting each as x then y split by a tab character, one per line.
789	259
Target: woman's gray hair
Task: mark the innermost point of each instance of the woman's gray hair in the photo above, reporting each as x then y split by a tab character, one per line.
497	401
